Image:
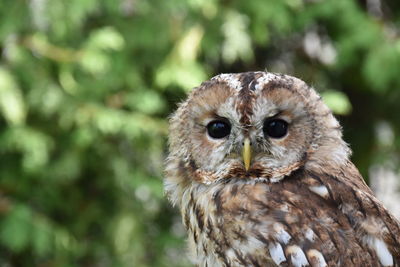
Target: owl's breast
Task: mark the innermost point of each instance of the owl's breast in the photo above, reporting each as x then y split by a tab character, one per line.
256	224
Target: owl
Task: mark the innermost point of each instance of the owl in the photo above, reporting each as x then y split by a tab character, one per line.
262	177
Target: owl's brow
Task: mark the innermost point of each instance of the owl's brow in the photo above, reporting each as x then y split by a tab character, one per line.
276	113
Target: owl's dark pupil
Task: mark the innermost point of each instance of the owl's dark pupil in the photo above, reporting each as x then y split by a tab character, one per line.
218	129
275	128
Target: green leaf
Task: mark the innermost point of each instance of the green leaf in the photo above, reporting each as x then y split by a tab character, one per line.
42	239
146	101
33	145
237	43
106	38
381	78
337	101
185	75
95	61
16	228
11	101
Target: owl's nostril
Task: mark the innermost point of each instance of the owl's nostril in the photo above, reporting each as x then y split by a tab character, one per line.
243	143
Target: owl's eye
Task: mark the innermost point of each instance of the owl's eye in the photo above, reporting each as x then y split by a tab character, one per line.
218	129
275	128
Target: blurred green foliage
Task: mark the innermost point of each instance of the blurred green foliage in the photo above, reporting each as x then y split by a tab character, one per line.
86	87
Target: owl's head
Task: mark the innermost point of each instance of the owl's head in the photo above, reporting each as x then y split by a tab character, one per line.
253	125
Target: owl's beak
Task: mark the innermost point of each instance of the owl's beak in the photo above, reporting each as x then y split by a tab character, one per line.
246	153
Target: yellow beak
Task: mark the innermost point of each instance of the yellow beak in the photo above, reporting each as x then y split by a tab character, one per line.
246	154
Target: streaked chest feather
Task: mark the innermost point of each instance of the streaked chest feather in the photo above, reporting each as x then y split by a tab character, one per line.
260	224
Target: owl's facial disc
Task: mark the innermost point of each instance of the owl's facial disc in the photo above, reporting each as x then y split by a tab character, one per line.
243	133
252	125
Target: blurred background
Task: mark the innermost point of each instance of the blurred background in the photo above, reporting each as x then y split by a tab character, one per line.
86	87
